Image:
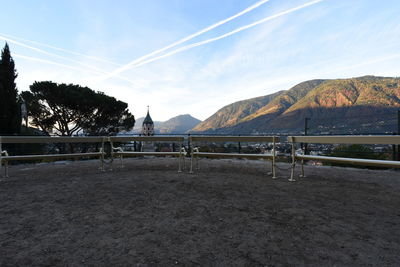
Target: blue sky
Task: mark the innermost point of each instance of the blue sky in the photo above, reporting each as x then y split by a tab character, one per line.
85	41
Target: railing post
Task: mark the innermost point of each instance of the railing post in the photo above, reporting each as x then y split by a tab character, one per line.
398	133
394	154
180	155
291	179
304	146
191	154
273	158
239	146
102	156
189	151
1	159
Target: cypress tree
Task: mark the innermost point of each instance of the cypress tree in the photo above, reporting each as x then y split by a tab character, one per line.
10	112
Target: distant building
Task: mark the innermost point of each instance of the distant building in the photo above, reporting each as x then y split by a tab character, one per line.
148	125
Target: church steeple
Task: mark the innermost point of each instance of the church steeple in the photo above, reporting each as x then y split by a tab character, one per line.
148	125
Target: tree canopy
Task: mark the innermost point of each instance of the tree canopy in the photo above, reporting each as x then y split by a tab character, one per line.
67	109
10	113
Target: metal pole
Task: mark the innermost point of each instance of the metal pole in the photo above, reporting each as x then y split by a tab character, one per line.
189	150
394	154
239	147
398	133
1	161
291	179
273	159
305	133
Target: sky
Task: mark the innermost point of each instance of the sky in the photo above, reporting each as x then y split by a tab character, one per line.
196	56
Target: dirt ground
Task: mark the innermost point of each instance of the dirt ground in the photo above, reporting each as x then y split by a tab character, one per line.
230	213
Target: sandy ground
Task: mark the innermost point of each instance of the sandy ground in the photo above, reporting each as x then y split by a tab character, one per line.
228	214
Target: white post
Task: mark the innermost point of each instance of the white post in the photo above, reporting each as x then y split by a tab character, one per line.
102	156
180	157
273	159
303	149
191	160
302	166
293	161
1	159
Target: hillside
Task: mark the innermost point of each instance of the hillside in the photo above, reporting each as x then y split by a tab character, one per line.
176	125
232	114
364	104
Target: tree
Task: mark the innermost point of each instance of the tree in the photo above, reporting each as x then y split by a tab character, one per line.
10	113
68	109
354	151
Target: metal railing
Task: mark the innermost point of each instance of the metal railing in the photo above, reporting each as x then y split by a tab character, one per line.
195	153
115	152
5	157
120	153
340	139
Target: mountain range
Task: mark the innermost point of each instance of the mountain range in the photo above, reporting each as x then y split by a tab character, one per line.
176	125
365	104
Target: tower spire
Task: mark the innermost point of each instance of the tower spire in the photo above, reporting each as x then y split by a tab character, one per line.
148	124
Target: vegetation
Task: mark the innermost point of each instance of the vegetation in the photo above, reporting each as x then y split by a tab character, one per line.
178	125
355	151
341	106
10	115
232	114
67	109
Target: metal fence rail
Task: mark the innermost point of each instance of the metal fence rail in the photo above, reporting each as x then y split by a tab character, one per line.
48	139
195	153
5	157
146	138
120	153
341	139
249	138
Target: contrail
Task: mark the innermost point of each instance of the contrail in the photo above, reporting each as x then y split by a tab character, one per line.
187	38
61	49
67	66
52	63
369	62
184	48
51	54
89	67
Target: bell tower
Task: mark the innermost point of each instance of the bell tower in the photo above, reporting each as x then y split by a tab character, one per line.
148	125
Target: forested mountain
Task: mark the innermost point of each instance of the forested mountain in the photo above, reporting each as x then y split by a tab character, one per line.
176	125
364	104
233	114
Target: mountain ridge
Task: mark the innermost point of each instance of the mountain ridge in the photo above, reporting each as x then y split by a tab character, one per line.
317	99
176	125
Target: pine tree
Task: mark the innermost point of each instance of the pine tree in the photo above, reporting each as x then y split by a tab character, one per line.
10	113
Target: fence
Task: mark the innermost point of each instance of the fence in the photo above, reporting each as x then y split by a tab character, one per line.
383	140
5	157
195	153
118	152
